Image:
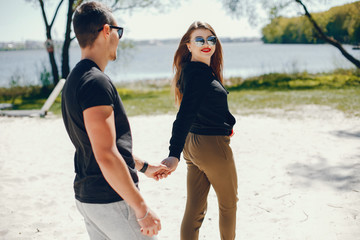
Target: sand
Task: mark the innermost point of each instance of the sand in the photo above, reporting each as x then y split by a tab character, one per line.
298	173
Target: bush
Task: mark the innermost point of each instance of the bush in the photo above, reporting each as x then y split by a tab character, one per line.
284	81
342	23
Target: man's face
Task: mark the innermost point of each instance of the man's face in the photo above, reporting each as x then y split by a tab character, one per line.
113	42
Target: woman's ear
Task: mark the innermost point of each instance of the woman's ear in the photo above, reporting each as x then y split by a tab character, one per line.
188	46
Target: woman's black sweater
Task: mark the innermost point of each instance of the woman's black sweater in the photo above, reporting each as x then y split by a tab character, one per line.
204	108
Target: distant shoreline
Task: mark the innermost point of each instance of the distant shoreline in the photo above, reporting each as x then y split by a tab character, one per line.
31	45
144	61
38	45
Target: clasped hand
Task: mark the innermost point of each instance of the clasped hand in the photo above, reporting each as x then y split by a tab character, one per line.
162	170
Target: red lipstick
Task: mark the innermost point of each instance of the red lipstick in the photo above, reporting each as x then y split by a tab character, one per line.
206	50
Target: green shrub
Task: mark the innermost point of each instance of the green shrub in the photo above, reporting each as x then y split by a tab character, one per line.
284	81
341	23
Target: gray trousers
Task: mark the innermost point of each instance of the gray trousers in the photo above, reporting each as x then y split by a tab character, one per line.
111	221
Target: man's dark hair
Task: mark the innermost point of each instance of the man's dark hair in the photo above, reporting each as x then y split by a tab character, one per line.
88	19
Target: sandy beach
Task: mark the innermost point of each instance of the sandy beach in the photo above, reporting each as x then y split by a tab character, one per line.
298	174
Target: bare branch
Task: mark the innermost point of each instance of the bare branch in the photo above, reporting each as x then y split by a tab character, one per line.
57	10
133	5
248	8
329	40
43	13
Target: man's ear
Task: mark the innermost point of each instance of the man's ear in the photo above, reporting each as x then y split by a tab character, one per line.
106	30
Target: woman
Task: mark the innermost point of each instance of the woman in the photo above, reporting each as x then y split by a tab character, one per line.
202	130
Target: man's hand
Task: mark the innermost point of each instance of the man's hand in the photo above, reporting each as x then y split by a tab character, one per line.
149	223
153	171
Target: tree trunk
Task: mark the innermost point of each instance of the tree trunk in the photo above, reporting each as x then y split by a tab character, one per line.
54	68
50	47
329	40
65	65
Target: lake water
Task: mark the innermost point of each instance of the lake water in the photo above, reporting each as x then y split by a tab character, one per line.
153	62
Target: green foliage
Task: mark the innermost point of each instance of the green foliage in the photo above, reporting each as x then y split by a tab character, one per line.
339	90
342	23
298	81
45	76
16	92
15	89
22	94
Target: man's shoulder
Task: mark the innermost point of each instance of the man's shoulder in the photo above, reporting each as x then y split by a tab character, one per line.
86	69
89	76
94	76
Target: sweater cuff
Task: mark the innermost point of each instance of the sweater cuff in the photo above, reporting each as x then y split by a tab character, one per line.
175	153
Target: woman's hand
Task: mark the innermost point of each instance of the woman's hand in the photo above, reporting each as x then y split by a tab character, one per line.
171	164
153	171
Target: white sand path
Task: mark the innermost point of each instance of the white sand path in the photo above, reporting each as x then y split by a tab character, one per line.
298	172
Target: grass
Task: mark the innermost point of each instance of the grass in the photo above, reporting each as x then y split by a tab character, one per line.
255	101
338	90
148	102
298	81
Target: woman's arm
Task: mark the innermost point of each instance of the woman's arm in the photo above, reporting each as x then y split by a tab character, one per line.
196	86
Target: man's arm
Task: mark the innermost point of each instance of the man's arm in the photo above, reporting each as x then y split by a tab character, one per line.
100	126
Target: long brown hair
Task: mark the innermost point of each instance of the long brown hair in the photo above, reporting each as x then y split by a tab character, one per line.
182	55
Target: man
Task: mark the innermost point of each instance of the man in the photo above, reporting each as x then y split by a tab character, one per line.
106	178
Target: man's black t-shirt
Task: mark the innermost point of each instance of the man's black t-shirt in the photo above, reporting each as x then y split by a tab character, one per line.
86	87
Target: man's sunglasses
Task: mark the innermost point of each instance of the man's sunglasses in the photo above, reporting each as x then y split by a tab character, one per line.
200	41
120	30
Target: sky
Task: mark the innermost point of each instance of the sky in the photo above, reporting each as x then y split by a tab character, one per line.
21	20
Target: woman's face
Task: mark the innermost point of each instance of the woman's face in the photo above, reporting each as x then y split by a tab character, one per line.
202	45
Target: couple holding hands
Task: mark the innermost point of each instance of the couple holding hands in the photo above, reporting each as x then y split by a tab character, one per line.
106	181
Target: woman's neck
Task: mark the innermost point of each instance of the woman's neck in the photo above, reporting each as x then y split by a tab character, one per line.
207	61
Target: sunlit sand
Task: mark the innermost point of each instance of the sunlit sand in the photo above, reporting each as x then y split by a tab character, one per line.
298	176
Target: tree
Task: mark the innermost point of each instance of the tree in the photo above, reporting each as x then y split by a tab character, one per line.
49	42
249	8
65	65
116	6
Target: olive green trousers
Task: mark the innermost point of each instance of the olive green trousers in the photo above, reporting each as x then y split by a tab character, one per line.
210	162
